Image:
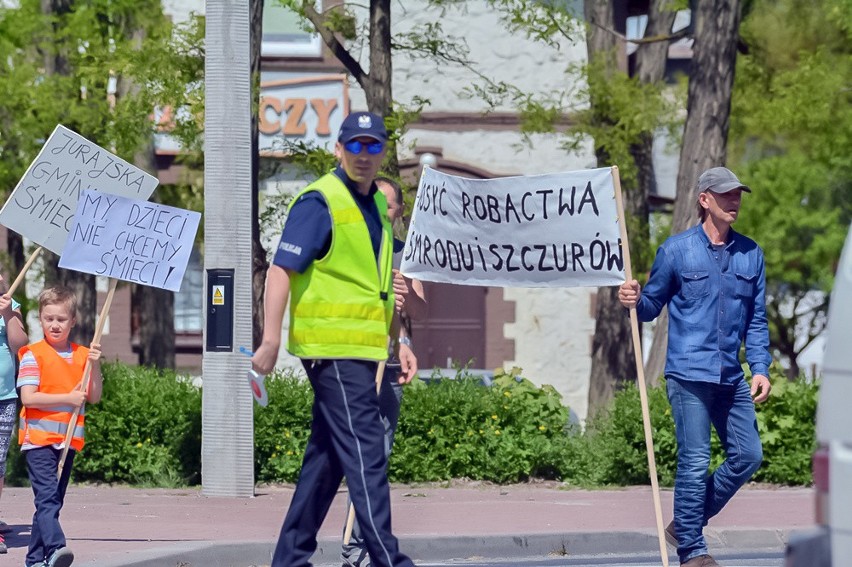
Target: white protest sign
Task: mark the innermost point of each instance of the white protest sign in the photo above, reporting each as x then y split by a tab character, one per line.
130	240
555	230
42	205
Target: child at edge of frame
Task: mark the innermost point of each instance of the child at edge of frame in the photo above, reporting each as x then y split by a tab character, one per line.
50	382
13	336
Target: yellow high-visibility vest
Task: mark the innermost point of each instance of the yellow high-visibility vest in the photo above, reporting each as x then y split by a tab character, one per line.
341	306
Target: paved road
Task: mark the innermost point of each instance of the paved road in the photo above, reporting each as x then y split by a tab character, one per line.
730	560
112	526
727	560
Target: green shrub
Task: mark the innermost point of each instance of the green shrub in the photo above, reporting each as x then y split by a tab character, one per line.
146	429
618	439
458	428
786	422
281	429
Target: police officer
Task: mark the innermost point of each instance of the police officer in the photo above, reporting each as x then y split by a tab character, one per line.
334	264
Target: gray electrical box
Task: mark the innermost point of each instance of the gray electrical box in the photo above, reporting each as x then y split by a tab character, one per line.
220	310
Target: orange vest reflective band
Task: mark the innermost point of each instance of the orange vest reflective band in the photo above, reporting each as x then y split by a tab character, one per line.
57	376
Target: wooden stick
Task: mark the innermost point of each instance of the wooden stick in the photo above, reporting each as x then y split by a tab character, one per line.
26	267
87	373
640	374
380	373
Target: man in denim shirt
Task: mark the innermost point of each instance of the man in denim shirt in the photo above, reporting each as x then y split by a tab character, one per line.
712	280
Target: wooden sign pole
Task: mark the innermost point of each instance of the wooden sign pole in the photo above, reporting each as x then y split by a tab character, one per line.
640	374
87	373
26	267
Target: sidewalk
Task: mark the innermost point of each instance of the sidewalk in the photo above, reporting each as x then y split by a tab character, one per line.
119	526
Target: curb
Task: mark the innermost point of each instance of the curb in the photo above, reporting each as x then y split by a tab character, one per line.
458	548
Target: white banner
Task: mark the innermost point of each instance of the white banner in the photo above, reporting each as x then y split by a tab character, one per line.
130	240
555	230
42	205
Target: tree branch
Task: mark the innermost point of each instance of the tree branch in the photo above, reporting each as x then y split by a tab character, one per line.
558	26
335	45
643	40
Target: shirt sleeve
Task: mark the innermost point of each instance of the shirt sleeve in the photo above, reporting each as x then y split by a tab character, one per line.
757	330
306	233
659	289
398	245
28	371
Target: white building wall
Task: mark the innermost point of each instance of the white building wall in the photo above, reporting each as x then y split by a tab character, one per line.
553	327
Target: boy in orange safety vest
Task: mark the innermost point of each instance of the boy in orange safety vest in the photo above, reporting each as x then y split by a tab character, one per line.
50	385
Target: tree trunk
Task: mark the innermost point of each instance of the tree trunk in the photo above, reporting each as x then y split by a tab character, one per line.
154	307
650	68
55	63
379	93
155	310
15	249
259	264
711	78
784	337
379	85
612	349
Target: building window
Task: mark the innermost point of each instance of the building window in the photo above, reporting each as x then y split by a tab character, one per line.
284	36
189	301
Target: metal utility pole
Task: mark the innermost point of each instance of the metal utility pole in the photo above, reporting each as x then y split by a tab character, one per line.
227	437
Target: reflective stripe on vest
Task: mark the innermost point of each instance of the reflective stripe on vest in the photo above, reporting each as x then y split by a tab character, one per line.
57	375
341	306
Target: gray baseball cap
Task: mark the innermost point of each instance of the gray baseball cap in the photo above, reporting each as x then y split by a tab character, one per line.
720	180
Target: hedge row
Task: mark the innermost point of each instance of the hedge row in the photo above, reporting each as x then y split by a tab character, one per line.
147	431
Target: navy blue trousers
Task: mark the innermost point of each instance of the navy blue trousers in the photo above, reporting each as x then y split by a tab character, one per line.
347	439
49	492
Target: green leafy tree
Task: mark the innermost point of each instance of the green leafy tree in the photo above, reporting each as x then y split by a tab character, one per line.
791	139
98	67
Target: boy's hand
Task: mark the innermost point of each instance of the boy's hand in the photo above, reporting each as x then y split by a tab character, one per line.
77	397
95	352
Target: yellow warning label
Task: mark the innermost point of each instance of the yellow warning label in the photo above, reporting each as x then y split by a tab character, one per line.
218	295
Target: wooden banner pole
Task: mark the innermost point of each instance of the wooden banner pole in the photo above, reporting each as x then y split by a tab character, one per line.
26	267
640	374
87	373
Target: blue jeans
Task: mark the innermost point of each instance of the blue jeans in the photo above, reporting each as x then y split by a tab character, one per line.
49	492
699	496
390	399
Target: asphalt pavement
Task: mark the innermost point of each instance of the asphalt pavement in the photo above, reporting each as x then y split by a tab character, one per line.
136	527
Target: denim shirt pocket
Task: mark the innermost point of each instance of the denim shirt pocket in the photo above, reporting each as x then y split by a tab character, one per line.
695	284
745	284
